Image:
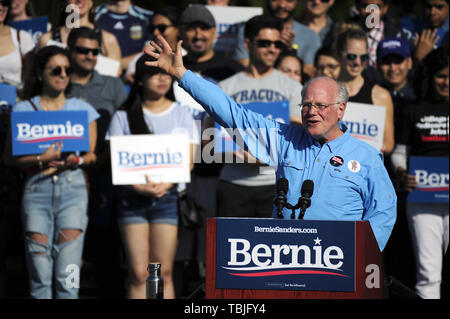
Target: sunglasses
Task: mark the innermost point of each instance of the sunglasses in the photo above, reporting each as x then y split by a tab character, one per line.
352	57
83	50
58	70
160	27
5	3
267	43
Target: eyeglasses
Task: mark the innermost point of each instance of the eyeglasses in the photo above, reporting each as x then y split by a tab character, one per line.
352	57
160	27
83	50
5	3
319	106
58	70
267	43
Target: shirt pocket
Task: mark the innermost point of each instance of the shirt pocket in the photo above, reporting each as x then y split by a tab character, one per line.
344	191
293	171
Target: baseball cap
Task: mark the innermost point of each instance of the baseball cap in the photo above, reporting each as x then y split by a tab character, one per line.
396	46
197	13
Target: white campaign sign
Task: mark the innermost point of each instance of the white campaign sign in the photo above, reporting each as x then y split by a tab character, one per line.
227	24
164	158
366	122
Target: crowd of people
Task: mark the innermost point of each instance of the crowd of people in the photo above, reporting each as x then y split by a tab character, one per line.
63	205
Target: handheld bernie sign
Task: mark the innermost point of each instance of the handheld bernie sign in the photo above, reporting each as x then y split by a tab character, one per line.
432	178
366	122
34	132
162	157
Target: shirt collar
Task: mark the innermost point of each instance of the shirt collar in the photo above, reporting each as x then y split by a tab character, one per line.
336	143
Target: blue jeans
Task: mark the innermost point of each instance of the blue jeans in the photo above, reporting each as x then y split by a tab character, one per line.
52	203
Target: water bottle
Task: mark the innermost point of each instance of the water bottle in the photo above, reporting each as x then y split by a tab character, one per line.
155	283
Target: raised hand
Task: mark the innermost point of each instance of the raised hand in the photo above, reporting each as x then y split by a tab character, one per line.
168	60
425	43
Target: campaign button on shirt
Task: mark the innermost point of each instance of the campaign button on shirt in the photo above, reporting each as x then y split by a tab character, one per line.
336	161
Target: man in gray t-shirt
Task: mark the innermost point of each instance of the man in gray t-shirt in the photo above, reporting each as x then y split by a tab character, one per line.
294	35
246	190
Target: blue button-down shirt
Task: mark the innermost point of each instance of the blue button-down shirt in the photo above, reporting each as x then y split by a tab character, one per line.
356	187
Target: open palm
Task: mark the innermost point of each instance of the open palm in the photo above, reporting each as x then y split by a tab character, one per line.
166	59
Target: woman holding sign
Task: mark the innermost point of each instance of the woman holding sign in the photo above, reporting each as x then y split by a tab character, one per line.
54	204
353	50
148	212
424	132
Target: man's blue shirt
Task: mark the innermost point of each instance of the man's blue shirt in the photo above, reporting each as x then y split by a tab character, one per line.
356	187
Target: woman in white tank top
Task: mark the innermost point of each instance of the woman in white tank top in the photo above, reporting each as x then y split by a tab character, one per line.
15	45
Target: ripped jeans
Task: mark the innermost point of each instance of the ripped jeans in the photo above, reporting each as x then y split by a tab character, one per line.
52	204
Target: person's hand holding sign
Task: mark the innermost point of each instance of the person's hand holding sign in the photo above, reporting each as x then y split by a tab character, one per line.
52	155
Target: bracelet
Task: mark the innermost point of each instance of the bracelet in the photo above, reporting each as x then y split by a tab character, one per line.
80	161
40	164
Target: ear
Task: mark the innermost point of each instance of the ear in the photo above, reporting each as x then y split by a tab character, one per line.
341	110
247	44
410	63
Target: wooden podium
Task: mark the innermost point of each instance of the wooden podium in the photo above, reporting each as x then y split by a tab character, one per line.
366	274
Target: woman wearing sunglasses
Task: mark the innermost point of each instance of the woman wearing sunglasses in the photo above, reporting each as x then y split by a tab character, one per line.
55	198
164	22
14	46
353	54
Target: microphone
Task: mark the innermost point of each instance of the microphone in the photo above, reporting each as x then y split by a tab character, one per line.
280	198
304	202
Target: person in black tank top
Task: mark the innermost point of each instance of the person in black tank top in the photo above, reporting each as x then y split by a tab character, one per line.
353	57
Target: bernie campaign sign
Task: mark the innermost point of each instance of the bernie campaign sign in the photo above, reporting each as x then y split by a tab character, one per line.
285	254
160	157
432	178
34	132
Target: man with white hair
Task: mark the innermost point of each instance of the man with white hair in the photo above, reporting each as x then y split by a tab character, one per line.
351	180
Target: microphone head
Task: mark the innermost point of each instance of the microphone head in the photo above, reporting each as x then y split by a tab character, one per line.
283	185
307	188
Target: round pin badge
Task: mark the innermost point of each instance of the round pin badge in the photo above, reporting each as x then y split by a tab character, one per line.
336	161
354	166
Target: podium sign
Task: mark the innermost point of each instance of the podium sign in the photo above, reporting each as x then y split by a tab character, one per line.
285	254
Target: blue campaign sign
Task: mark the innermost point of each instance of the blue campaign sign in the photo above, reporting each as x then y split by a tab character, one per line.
280	254
225	138
8	94
33	132
432	178
35	26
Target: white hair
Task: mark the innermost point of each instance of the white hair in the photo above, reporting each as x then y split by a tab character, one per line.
341	95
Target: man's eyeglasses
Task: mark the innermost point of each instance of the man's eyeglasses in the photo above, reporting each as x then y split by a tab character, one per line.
58	70
267	43
319	106
352	57
83	50
160	27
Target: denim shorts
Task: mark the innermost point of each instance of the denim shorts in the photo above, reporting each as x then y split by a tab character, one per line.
134	208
